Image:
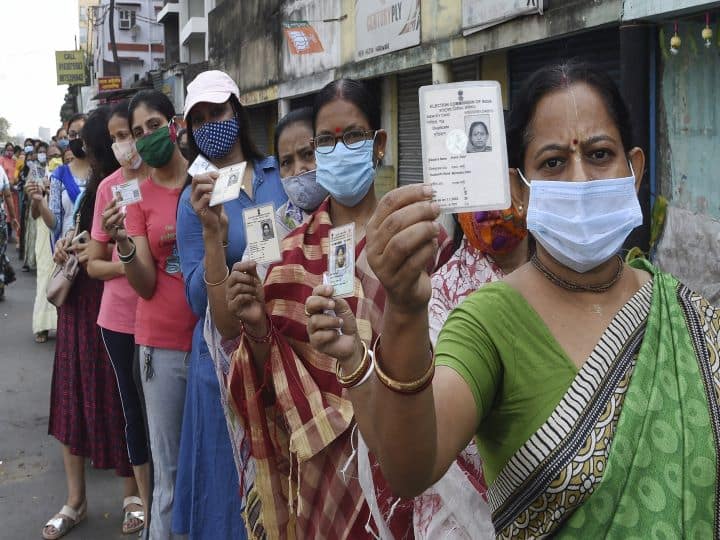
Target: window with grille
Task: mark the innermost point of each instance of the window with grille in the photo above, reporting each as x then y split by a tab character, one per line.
127	19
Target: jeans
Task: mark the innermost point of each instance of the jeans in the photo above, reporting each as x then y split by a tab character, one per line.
164	374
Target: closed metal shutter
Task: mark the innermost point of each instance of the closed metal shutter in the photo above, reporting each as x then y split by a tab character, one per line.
601	47
302	101
410	167
466	69
261	121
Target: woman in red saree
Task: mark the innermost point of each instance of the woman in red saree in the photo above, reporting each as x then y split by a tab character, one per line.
298	420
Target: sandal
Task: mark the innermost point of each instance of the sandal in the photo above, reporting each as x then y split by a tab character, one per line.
137	516
64	521
41	337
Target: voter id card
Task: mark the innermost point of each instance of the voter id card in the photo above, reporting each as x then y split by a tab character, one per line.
127	193
228	184
341	260
463	146
200	166
263	245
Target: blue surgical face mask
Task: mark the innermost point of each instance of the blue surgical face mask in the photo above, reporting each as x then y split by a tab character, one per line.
28	149
216	139
583	224
63	144
304	191
347	174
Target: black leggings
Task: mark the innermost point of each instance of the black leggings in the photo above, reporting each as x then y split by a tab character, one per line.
121	350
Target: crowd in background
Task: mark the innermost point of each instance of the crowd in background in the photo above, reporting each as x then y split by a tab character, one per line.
236	399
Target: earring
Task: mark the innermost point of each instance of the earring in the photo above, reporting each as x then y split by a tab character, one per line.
381	155
520	208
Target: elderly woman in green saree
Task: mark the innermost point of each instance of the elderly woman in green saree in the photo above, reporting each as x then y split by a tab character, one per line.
590	385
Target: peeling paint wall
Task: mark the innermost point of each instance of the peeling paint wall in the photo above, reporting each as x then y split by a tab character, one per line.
688	152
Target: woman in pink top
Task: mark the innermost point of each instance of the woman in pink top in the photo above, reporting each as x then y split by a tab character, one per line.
164	322
117	315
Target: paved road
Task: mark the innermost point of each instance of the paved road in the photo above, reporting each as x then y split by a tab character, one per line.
32	479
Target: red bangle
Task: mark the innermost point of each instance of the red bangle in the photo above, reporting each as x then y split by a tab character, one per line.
264	339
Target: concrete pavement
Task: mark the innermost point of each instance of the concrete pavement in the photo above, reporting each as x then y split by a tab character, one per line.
32	478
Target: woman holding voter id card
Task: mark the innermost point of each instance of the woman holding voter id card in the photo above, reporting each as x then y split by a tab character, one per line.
299	421
589	384
147	247
119	302
85	412
208	503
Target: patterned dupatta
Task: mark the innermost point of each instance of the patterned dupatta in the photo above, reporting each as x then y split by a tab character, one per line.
298	418
632	448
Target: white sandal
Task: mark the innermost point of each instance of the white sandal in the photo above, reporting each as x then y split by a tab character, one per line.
138	515
64	521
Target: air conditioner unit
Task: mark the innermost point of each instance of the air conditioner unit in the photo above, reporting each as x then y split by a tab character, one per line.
125	24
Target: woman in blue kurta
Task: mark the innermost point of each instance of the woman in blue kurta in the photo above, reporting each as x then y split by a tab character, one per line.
207	499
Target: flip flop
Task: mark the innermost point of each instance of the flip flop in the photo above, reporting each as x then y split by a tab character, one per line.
137	515
64	521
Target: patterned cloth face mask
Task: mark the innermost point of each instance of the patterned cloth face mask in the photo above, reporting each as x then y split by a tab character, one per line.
216	139
494	232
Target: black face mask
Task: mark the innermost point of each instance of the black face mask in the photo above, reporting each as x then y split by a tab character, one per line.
76	147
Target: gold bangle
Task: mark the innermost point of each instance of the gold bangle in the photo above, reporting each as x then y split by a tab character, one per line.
223	280
413	387
346	381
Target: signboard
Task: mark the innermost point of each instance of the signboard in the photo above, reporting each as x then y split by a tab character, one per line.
70	67
481	14
302	38
109	83
383	26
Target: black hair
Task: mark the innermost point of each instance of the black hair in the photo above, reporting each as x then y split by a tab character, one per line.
120	109
153	100
357	93
298	116
41	144
249	149
25	143
17	148
61	128
11	145
556	77
75	117
98	146
477	123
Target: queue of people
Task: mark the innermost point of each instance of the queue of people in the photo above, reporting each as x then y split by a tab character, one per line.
514	378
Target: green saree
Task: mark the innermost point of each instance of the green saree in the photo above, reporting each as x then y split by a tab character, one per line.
631	451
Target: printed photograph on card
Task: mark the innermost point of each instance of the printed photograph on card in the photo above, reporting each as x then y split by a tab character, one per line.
228	184
263	246
127	193
341	260
463	146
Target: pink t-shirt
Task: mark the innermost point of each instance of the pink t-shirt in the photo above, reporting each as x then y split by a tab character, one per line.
164	321
119	299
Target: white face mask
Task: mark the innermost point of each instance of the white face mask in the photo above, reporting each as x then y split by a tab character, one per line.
583	224
126	154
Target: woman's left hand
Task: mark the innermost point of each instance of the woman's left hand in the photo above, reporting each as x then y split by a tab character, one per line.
323	329
202	188
81	251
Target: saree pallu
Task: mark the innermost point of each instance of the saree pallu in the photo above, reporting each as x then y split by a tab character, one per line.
298	418
631	451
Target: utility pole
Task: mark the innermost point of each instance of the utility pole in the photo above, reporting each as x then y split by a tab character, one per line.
113	46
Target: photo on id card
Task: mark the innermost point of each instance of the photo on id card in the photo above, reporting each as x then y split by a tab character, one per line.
463	146
341	260
263	245
228	184
127	193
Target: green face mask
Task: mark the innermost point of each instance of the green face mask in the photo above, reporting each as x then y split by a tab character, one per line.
157	148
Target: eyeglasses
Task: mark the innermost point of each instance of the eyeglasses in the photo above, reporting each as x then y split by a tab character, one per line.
353	139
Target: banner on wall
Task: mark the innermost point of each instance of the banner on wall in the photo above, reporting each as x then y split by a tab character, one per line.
70	67
302	38
481	14
383	26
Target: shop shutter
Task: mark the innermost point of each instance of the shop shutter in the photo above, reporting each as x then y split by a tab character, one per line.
262	119
410	167
466	69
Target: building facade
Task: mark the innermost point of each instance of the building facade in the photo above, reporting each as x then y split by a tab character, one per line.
281	52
